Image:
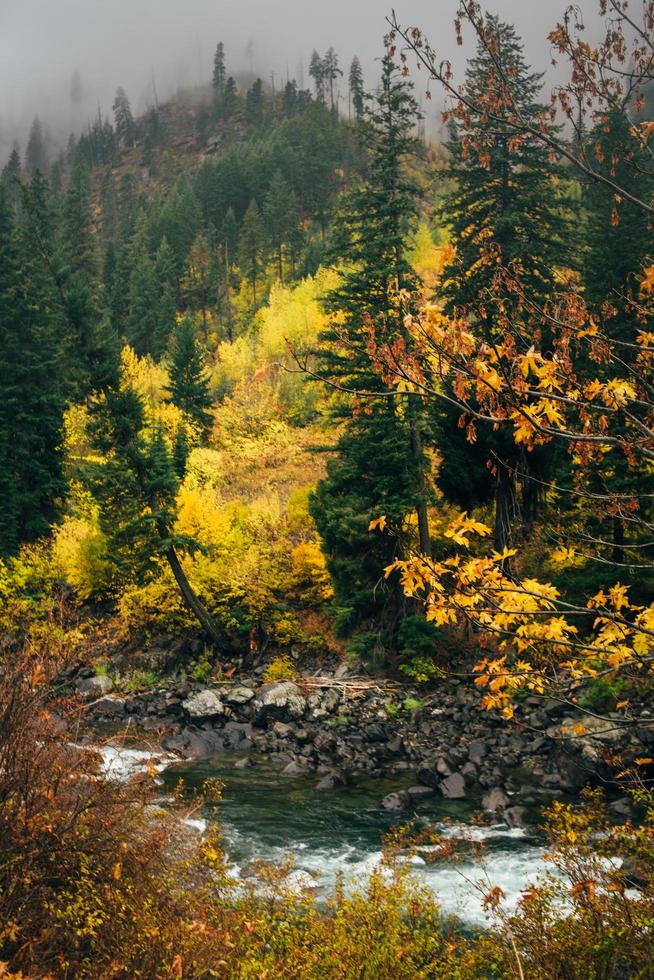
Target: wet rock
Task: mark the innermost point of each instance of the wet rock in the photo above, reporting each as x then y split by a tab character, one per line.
396	801
205	704
331	780
95	686
419	792
621	808
515	816
454	787
245	763
495	799
428	777
297	767
283	702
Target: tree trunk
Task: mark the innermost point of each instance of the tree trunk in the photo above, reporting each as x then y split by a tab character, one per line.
421	506
504	508
618	541
191	599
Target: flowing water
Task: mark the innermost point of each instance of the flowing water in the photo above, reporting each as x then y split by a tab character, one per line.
266	815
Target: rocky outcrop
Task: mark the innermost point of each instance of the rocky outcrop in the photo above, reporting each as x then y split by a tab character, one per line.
447	745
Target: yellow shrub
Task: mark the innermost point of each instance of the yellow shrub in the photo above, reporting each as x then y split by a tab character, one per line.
309	575
280	669
79	556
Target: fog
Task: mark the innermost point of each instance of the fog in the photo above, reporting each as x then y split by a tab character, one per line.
152	47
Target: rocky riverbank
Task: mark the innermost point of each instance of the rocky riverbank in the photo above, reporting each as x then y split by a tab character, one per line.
339	728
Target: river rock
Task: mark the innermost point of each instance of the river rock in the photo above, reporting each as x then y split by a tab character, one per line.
95	686
418	792
204	704
515	816
331	780
283	702
396	801
495	799
428	777
453	787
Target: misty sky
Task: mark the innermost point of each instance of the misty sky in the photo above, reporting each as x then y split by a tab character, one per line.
132	42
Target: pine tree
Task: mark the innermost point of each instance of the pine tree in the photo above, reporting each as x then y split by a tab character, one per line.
505	211
331	71
36	157
254	104
618	244
189	381
11	175
31	393
229	102
281	214
136	487
123	119
356	88
251	248
317	72
151	299
219	72
380	468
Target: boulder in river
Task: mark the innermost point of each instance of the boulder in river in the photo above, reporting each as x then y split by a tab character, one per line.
495	799
454	787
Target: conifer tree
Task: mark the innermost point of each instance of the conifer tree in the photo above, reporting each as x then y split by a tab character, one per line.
189	381
219	72
379	468
31	393
136	490
123	119
229	101
251	248
35	155
331	71
356	88
254	104
11	175
505	211
281	214
317	72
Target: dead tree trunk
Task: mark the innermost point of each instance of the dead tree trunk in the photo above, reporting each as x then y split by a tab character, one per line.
190	597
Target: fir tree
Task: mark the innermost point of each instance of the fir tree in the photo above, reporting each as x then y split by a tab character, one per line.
36	157
331	71
189	381
254	104
372	230
505	211
123	119
229	102
11	176
356	88
317	72
281	214
219	72
31	393
251	248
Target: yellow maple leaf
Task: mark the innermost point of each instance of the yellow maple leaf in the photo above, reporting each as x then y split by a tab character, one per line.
378	524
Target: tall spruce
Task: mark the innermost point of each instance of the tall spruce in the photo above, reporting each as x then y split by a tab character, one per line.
505	211
123	119
357	93
36	157
379	468
31	393
219	70
189	380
